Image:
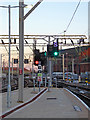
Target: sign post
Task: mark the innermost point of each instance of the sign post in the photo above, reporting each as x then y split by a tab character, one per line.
48	78
39	74
39	79
34	77
45	81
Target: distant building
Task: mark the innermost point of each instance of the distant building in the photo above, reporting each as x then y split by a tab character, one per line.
89	21
81	56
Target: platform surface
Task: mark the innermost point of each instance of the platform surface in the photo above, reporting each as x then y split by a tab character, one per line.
58	103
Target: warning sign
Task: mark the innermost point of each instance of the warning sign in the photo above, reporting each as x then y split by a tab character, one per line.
20	71
39	78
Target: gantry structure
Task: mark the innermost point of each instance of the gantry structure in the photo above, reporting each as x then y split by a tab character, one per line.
64	40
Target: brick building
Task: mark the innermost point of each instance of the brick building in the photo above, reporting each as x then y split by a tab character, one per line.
81	56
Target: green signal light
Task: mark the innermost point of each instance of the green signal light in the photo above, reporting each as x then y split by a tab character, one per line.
45	53
55	53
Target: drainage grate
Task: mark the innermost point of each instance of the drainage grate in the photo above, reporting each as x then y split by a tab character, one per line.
51	98
77	108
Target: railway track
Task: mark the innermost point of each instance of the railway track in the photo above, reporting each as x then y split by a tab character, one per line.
4	89
82	94
64	84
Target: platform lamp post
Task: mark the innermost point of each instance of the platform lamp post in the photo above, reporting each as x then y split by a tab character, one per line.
63	68
9	85
9	53
21	36
21	45
79	79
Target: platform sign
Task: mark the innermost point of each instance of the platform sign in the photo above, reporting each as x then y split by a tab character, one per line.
40	77
40	74
20	71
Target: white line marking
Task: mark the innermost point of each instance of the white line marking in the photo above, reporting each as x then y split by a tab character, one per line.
78	99
23	103
28	103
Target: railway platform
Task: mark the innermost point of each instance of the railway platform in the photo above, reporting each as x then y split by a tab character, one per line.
56	103
28	96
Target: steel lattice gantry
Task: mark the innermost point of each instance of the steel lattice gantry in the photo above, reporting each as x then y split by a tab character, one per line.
43	39
45	36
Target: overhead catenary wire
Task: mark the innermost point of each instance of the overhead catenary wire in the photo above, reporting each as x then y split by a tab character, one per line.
73	16
70	23
5	46
28	45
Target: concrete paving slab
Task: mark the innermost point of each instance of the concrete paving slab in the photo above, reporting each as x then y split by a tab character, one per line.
61	107
27	95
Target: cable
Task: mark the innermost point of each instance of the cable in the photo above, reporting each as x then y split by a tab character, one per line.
5	46
77	48
73	15
28	45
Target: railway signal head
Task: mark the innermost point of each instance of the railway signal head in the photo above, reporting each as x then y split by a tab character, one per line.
36	62
45	53
56	53
55	49
36	57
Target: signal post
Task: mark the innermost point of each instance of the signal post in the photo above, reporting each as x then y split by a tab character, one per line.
52	52
39	74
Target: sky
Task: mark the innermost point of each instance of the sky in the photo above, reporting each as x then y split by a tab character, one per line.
50	17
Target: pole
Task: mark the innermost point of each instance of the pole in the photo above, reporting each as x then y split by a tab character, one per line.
34	48
50	66
39	86
89	21
21	51
1	68
0	83
63	68
48	57
45	81
3	65
79	65
48	85
50	72
34	84
56	82
72	66
67	64
17	65
9	85
12	69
